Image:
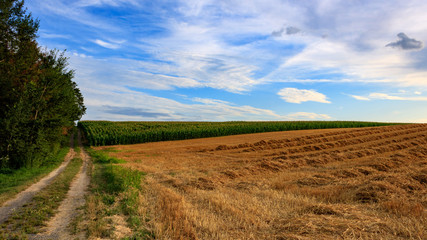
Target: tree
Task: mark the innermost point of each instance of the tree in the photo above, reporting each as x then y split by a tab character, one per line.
37	94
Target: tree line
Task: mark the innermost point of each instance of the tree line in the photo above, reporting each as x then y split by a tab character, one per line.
38	98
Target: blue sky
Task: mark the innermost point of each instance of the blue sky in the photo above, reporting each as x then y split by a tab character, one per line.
243	60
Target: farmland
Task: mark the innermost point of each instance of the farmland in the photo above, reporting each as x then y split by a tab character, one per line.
356	183
100	133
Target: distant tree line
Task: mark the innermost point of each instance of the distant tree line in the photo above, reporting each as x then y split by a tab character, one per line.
38	98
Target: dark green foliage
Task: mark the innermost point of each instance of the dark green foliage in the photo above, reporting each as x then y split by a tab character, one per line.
37	95
11	178
99	133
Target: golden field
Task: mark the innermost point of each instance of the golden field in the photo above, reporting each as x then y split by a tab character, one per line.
364	183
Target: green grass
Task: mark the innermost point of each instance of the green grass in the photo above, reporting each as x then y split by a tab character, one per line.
32	216
14	181
99	133
100	156
115	190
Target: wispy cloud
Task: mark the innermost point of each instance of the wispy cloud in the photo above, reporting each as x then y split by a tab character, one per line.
361	98
114	3
384	96
54	35
294	95
210	101
209	70
237	51
309	116
75	12
110	45
351	65
123	73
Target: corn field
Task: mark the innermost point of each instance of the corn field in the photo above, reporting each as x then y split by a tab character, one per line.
100	133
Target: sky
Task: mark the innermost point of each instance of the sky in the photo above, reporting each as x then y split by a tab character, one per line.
213	60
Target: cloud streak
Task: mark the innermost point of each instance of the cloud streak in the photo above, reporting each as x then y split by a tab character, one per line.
114	3
109	45
384	96
308	115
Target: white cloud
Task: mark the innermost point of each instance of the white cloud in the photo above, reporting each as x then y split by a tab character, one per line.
362	98
294	95
209	101
53	35
308	115
330	57
141	79
82	55
354	48
208	70
125	73
114	45
196	50
384	96
114	3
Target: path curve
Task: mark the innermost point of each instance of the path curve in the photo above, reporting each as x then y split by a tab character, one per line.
57	227
9	207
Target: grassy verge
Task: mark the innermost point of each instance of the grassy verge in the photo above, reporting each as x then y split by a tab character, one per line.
32	216
101	157
15	181
114	207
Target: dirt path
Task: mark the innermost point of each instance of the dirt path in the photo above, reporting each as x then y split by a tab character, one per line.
25	196
57	227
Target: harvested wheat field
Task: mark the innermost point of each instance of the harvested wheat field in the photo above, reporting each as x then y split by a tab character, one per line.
365	183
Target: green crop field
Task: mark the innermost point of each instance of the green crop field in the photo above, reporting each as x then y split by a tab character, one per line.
100	133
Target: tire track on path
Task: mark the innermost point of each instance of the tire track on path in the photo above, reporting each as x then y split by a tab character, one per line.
57	227
11	206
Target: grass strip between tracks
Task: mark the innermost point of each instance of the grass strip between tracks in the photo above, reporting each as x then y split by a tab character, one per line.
32	216
114	207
